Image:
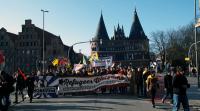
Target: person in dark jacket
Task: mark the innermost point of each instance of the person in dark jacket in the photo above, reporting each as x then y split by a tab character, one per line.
20	85
30	84
139	82
168	87
6	87
145	75
180	85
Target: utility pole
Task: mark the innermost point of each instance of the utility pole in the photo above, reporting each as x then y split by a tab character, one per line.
43	43
195	37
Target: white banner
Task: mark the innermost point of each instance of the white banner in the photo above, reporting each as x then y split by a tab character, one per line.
90	84
103	62
50	86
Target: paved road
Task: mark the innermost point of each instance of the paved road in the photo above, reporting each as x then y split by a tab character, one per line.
88	103
105	103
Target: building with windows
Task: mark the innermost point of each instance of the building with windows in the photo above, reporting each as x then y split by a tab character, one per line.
7	47
25	49
133	49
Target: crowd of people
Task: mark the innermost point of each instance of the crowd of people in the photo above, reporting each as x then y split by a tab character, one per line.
14	83
143	82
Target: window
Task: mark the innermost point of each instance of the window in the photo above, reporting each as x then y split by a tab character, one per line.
26	29
20	36
94	49
33	52
2	37
28	51
34	43
18	52
5	51
22	29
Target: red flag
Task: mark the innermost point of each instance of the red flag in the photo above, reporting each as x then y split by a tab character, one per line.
1	58
22	74
63	61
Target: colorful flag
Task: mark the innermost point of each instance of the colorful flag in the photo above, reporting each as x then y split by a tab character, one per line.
94	56
63	61
55	62
84	61
22	74
77	67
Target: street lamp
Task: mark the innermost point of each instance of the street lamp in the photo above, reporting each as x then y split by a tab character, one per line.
189	51
43	54
196	50
68	56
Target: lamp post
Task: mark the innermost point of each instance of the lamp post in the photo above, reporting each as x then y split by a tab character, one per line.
68	55
43	54
196	50
189	51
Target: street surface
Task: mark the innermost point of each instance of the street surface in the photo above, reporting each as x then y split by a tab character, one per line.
104	102
87	103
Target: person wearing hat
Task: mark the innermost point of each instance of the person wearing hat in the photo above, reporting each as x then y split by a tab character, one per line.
152	86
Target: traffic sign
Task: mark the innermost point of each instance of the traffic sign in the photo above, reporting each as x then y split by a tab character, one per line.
187	59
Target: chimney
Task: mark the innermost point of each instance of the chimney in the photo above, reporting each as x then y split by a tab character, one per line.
28	22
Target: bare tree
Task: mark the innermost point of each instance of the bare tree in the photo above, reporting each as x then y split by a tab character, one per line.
159	42
173	45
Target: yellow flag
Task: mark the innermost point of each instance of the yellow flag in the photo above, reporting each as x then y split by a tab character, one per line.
94	56
55	62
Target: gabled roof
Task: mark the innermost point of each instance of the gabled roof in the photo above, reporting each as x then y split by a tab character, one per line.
101	32
49	37
11	36
119	33
137	31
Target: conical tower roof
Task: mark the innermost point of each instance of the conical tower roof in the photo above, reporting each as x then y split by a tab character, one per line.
101	32
137	31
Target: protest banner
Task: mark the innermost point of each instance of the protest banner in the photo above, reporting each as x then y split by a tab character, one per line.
50	86
103	62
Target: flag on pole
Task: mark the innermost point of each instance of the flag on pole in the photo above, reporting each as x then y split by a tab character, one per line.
55	62
94	56
77	67
84	61
63	61
198	23
22	74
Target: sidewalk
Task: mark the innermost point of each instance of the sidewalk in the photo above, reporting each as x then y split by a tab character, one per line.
194	94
